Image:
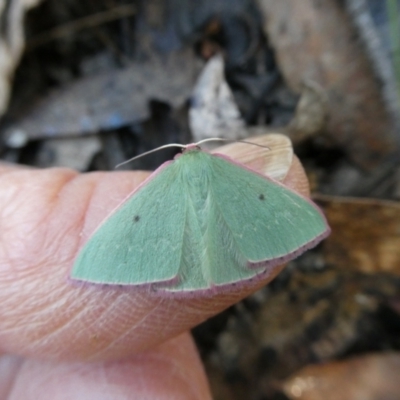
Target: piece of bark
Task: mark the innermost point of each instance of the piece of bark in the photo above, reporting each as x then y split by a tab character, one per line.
12	43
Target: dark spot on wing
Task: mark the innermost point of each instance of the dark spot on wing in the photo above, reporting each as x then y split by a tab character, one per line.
136	218
261	197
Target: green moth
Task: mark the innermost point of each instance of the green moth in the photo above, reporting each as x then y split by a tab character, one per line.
200	223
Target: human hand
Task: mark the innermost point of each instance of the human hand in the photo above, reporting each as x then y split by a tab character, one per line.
59	340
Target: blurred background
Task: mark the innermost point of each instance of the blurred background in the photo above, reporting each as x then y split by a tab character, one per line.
87	84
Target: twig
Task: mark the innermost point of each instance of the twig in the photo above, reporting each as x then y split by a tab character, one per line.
90	21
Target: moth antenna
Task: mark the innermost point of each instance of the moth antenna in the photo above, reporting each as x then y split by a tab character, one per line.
166	146
183	146
230	140
213	140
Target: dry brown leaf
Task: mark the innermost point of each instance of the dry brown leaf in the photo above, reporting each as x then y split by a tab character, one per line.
371	377
365	234
309	45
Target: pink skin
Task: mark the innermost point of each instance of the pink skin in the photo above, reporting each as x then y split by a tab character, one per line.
50	330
